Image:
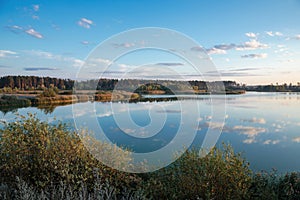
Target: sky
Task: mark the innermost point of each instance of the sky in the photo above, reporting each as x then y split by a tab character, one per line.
251	42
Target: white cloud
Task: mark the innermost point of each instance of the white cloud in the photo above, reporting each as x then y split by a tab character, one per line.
251	45
255	120
115	68
275	141
125	45
129	130
297	140
36	7
43	54
261	55
48	55
272	34
267	142
277	126
105	114
209	117
251	35
121	65
215	125
216	51
35	17
297	37
281	48
85	42
34	33
6	53
125	67
198	128
85	23
102	61
250	131
78	63
199	119
249	141
15	29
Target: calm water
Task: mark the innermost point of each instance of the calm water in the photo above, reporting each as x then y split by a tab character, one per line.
264	126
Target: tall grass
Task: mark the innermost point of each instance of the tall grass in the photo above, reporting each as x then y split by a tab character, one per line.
101	190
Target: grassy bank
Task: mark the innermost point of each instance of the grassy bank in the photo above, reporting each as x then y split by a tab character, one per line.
55	97
39	160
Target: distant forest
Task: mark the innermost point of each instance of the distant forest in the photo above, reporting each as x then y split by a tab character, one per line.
35	82
39	83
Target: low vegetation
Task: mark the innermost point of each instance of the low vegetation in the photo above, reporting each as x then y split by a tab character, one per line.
13	101
39	160
219	175
49	92
270	185
43	154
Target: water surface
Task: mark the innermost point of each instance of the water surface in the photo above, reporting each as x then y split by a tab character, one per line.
264	126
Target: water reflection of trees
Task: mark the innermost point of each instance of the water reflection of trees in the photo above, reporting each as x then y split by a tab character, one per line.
47	109
7	109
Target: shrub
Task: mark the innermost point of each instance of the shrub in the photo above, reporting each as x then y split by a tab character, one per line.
219	175
49	92
7	90
270	185
42	154
289	186
264	186
39	160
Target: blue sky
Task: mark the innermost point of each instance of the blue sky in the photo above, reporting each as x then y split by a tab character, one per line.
253	42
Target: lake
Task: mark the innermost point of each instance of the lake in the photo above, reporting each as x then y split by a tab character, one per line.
265	127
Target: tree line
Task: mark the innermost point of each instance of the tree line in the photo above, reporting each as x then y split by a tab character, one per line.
40	83
149	85
35	82
275	88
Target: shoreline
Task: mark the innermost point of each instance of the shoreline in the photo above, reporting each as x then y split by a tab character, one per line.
26	99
